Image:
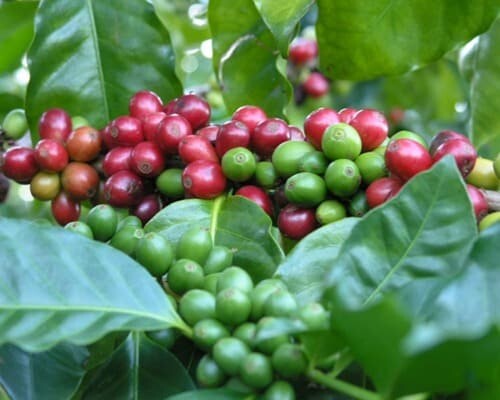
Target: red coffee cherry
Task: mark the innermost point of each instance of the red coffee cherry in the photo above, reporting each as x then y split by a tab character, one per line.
268	135
55	124
80	180
147	159
296	222
84	144
478	201
371	126
123	189
232	134
347	114
171	131
258	196
19	164
195	147
251	116
65	209
144	103
316	124
406	158
302	50
150	124
51	155
316	85
117	159
147	208
125	131
192	107
463	152
203	179
381	190
210	132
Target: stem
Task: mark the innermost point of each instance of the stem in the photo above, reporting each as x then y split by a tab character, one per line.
493	199
342	386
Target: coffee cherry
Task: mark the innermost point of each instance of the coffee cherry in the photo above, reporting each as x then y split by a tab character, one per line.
409	135
232	134
197	305
296	222
289	360
147	160
126	239
195	147
287	156
117	159
208	373
358	205
195	244
65	209
81	228
296	133
207	332
147	208
279	390
170	132
258	196
381	190
55	124
483	175
266	175
84	144
305	189
256	370
125	131
192	107
280	304
229	353
371	166
144	103
103	220
316	85
51	155
80	180
185	275
155	253
209	132
406	158
203	179
232	306
169	183
15	124
268	135
371	126
347	114
246	333
479	203
123	189
150	124
462	150
251	116
166	338
19	164
330	211
302	50
341	141
238	164
219	258
492	218
316	124
235	277
314	162
443	137
45	185
342	177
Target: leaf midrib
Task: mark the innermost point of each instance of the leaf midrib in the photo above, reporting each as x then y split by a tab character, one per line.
410	247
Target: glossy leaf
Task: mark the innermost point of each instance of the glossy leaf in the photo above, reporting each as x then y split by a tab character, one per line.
59	286
89	58
16	32
484	89
53	374
244	57
234	222
210	394
424	232
305	267
139	369
360	40
282	17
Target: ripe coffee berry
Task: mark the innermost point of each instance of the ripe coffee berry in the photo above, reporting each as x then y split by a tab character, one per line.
316	124
193	108
209	132
170	132
117	159
196	147
302	50
80	180
147	208
65	209
268	135
258	196
371	126
144	103
381	190
316	85
19	164
55	124
443	137
150	124
232	134
347	114
479	203
51	155
296	133
84	144
462	150
203	179
124	131
123	189
406	158
251	116
147	159
296	222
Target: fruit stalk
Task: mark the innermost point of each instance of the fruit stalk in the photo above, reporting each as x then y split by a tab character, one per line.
493	199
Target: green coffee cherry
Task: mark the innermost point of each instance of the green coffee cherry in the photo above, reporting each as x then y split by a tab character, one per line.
185	275
232	306
195	244
229	354
15	124
197	305
235	277
207	332
155	253
80	227
289	360
256	371
103	221
219	258
209	374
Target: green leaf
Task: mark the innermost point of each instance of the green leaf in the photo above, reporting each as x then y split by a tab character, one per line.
484	89
90	56
305	267
424	232
282	17
53	374
234	222
16	32
59	286
245	56
360	40
210	394
139	369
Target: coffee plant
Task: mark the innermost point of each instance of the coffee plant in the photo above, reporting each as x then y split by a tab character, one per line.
225	200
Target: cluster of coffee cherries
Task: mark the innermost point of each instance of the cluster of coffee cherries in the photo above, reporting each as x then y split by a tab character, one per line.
303	72
226	312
